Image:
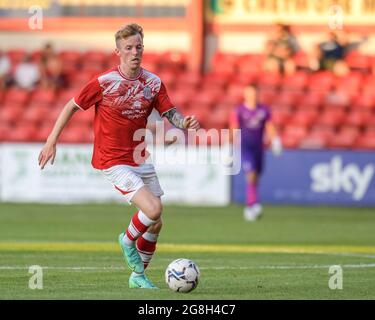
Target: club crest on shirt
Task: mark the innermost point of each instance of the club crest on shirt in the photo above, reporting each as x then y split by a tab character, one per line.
147	92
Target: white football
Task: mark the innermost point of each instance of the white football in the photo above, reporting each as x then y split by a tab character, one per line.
182	275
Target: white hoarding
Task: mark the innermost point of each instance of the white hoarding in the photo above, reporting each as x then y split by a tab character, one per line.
73	180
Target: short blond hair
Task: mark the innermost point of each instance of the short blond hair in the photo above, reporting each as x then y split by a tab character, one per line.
127	31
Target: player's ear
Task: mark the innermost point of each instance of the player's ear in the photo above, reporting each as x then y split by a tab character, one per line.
117	51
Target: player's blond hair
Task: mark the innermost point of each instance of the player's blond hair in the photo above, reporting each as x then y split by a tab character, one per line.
127	31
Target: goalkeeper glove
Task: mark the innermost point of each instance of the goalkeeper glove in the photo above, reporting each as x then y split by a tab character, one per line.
276	146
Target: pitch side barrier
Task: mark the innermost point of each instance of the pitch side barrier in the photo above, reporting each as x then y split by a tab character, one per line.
306	177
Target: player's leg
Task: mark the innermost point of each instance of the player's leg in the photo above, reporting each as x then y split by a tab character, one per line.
251	211
146	244
132	187
148	215
251	188
253	169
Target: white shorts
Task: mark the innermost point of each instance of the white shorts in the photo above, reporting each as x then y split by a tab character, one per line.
128	179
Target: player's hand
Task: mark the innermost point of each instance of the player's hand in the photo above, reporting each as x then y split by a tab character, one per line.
48	153
191	123
276	146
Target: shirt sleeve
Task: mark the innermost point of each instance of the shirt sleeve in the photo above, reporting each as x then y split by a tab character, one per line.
162	103
89	95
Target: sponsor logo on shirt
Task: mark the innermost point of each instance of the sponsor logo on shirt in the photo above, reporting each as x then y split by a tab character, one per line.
147	93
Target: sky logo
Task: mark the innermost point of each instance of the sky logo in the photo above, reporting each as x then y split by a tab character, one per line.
335	177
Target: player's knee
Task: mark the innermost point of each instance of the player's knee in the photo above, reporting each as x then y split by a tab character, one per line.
154	209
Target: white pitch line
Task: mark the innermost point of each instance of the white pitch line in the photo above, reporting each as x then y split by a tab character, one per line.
282	267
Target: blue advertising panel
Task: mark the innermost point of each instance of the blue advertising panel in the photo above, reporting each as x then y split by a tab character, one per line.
314	177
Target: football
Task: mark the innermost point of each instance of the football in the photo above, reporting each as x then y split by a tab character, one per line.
182	275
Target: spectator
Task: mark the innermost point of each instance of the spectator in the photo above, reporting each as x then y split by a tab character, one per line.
5	68
27	73
280	49
330	51
51	69
335	49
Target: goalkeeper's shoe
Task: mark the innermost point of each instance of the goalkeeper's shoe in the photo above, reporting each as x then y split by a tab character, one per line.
131	255
141	281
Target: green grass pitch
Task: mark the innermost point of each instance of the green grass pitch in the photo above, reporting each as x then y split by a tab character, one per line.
285	255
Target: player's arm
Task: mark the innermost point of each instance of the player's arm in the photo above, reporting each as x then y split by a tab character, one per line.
181	122
274	138
49	150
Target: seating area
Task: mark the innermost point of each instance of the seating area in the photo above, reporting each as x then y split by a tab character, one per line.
311	110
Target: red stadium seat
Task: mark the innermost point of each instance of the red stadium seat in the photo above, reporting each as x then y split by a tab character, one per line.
293	135
304	118
266	96
357	118
365	101
357	61
173	60
181	98
297	81
368	84
65	96
312	100
301	60
52	114
94	56
5	129
314	140
234	94
349	85
219	58
43	96
81	78
43	132
71	55
322	130
287	99
219	118
35	113
366	141
205	99
321	81
17	95
269	80
201	112
188	80
76	134
251	64
345	138
22	132
242	79
224	70
331	118
11	113
168	77
280	116
335	99
215	80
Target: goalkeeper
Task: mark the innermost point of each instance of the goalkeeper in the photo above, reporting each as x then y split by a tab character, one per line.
253	119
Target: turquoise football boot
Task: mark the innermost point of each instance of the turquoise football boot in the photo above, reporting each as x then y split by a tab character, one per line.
131	256
141	281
